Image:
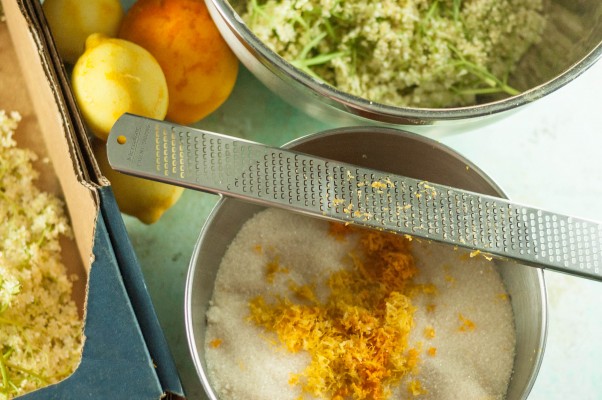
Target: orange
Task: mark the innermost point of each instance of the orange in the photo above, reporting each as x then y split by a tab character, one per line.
199	67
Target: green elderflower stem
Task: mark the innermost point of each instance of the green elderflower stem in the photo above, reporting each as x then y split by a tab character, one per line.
495	84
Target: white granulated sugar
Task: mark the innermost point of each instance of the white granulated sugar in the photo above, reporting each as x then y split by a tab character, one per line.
249	363
468	365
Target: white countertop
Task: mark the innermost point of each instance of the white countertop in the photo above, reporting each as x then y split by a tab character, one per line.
549	155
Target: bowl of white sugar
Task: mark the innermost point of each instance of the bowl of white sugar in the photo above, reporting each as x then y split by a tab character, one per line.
281	305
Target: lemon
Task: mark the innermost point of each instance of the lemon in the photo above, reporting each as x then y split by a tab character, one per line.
115	76
141	198
72	21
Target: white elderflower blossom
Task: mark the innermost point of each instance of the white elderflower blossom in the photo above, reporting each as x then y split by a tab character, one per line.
40	329
418	53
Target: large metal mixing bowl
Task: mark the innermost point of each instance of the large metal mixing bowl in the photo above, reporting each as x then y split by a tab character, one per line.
572	42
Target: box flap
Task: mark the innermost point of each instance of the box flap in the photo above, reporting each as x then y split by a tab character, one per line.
141	301
124	341
115	362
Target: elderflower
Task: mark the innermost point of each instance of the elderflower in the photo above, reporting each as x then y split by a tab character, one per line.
417	53
40	329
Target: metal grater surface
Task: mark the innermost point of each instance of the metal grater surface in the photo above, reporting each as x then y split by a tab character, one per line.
234	167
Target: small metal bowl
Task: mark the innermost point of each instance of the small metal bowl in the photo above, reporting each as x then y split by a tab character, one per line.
572	42
397	152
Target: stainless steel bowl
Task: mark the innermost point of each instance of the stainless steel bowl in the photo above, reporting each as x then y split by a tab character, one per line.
397	152
571	43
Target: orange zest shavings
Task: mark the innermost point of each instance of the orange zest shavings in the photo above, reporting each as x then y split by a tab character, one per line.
474	253
503	296
415	388
303	292
429	332
466	324
357	338
272	268
339	231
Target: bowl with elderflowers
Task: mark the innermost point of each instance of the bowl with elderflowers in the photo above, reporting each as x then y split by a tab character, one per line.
418	62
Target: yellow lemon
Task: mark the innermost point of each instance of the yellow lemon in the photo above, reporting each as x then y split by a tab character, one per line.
72	21
115	76
141	198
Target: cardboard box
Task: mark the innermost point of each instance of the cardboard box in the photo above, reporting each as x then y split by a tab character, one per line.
125	354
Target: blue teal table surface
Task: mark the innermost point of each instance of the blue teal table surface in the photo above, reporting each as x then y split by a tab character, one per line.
548	154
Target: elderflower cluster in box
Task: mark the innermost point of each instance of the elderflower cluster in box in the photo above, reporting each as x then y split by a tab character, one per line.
40	329
418	53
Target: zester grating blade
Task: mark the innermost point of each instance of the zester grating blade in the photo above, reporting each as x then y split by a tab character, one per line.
251	171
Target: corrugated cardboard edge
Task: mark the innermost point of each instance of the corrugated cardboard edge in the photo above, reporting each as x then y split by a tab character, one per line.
46	98
116	362
89	175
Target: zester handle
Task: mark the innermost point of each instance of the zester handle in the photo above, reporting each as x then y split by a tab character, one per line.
329	189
